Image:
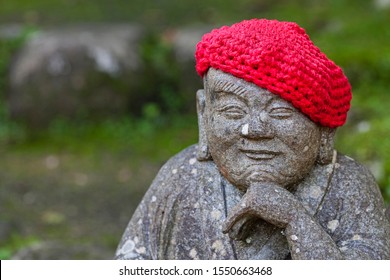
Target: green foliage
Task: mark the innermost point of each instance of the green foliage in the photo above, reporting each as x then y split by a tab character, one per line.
160	76
10	131
8	46
5	253
15	243
154	137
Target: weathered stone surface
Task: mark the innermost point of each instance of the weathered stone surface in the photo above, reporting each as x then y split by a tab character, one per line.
264	181
88	71
251	192
182	215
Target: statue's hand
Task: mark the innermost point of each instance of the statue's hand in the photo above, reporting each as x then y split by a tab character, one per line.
266	201
242	227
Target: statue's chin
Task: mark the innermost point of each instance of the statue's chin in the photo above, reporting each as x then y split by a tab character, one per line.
249	178
252	177
260	177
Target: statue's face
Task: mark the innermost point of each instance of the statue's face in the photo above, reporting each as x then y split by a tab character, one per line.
256	136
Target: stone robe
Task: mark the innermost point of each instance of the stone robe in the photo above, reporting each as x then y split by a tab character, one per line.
182	213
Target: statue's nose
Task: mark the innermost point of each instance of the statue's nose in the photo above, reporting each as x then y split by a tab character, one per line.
257	128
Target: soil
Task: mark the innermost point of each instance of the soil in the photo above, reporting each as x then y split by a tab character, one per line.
68	206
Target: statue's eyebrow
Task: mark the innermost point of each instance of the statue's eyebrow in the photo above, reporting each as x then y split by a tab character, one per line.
225	86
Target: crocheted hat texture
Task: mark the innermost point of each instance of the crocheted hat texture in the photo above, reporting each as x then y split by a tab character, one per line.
280	57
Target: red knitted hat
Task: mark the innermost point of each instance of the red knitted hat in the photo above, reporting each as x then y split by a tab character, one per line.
280	57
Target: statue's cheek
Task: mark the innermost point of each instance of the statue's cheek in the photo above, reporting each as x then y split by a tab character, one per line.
300	135
224	131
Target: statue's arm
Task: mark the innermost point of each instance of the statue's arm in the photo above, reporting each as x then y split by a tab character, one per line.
353	223
147	234
141	239
135	242
354	214
309	241
276	205
138	242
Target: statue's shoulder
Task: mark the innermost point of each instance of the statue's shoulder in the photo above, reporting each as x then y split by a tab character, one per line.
183	169
351	169
181	163
183	157
353	177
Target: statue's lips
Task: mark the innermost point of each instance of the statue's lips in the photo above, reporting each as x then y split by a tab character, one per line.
259	154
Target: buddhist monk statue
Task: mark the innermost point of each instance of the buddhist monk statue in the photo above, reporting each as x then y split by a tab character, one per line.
264	181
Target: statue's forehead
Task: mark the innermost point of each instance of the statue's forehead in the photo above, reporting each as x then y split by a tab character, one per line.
217	78
218	81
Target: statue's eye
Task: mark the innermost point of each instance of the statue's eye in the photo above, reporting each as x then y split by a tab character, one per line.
281	113
232	112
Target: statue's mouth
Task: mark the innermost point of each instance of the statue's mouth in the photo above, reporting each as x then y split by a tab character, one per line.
260	154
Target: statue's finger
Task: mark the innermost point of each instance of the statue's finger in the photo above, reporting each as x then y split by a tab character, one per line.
237	231
233	218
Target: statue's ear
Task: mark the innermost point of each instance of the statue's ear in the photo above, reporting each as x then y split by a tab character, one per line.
203	148
326	150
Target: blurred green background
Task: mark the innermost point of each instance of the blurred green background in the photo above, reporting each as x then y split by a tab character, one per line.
73	185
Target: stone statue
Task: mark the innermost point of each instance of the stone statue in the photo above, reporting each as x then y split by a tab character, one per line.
264	181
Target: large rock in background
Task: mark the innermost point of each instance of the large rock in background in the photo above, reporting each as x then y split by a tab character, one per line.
75	73
183	42
99	71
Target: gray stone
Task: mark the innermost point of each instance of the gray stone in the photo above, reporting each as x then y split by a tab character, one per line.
184	41
88	71
382	4
309	205
10	31
264	182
